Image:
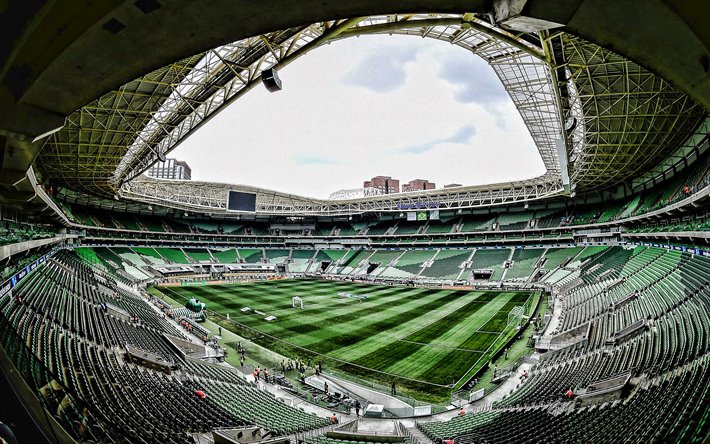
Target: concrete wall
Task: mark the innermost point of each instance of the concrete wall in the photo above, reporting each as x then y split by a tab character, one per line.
375	397
9	250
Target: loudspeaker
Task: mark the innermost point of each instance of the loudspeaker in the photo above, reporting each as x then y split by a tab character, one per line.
270	79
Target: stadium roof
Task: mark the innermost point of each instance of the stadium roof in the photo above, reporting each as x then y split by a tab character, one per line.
622	118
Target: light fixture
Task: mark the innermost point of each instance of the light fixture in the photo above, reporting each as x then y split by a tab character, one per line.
570	124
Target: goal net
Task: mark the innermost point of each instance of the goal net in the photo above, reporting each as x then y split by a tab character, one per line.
516	314
297	302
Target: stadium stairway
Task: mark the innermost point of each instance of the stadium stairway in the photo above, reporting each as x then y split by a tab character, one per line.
417	436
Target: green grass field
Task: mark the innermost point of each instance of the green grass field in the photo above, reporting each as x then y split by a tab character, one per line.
425	339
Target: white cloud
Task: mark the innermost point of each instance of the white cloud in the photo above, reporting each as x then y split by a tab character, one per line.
382	69
462	135
321	133
475	81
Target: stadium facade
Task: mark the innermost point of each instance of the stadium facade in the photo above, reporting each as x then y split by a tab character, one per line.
615	233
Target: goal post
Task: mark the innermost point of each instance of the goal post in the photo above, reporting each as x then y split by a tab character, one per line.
516	314
297	302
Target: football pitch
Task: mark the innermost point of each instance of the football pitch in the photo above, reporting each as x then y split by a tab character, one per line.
420	337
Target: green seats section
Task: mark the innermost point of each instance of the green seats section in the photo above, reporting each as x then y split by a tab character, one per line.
12	232
514	221
150	255
300	260
260	407
323	439
199	255
330	255
446	264
349	229
586	253
477	223
174	255
152	223
205	227
384	258
108	257
251	256
554	257
491	259
409	264
226	256
378	228
88	255
524	261
630	207
550	218
618	289
409	227
323	230
610	211
353	260
276	256
440	226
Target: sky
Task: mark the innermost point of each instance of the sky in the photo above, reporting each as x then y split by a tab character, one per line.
398	106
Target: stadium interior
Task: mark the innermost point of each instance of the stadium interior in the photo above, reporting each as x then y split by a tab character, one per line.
114	327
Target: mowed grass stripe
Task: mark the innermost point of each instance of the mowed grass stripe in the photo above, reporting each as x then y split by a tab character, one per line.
436	364
367	333
390	357
461	328
443	330
405	329
272	300
420	362
286	327
439	366
267	298
306	328
495	310
442	334
408	310
481	340
349	314
499	323
379	320
433	304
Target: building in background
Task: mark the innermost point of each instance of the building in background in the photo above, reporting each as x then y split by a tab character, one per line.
171	169
418	185
453	185
383	183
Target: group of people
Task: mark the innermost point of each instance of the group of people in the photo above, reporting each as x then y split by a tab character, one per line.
299	364
296	364
242	352
261	374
